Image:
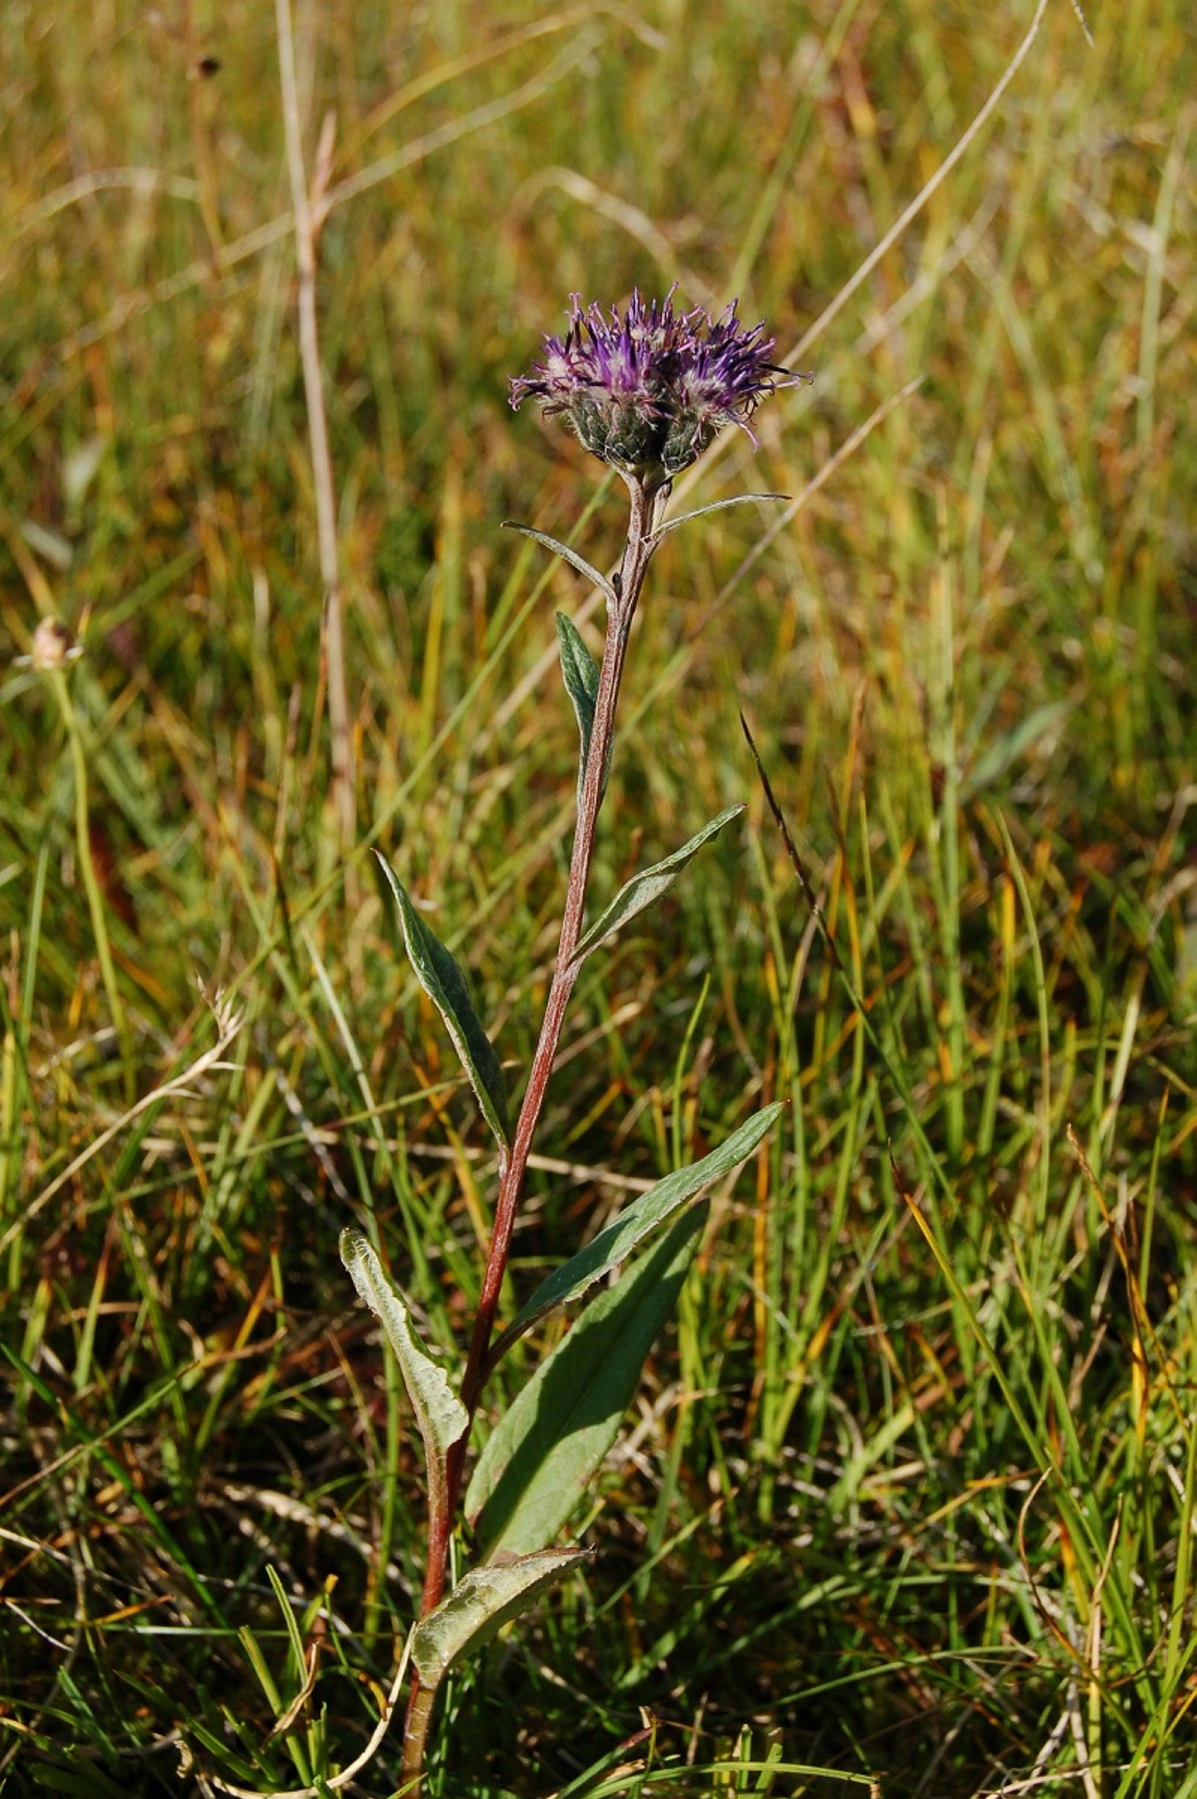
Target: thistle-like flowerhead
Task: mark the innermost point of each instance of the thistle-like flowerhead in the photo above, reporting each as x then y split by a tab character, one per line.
649	391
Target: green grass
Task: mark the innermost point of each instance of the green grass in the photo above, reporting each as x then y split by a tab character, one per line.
909	1492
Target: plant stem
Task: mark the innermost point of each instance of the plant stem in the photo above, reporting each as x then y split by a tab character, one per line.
644	519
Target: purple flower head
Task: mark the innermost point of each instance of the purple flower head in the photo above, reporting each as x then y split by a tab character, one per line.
649	391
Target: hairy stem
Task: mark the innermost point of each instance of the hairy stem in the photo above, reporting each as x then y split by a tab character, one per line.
415	1738
645	516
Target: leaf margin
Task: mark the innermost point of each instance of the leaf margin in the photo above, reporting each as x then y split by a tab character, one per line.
615	1243
618	912
433	964
441	1417
513	1585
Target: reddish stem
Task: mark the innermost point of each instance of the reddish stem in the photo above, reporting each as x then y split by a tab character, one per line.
645	515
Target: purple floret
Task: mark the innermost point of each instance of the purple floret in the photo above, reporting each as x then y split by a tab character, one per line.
649	391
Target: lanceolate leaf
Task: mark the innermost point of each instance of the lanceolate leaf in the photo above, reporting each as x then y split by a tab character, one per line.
444	983
480	1604
580	673
740	499
654	1208
647	886
571	556
546	1449
439	1413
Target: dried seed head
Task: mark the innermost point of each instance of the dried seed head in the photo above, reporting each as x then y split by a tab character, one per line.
52	645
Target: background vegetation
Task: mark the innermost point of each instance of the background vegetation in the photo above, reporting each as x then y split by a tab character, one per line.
910	1490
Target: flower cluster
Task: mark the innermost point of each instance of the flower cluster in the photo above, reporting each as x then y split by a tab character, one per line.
649	391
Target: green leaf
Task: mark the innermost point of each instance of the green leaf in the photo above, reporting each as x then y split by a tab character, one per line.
546	1449
626	1232
439	1412
481	1604
571	556
580	673
647	886
740	499
443	981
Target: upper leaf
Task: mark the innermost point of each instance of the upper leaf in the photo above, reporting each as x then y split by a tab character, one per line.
580	673
439	1412
740	499
546	1449
647	886
481	1604
614	1244
443	981
571	556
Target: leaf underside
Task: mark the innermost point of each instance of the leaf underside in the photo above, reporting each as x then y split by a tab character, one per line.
480	1604
439	1412
740	499
581	676
571	556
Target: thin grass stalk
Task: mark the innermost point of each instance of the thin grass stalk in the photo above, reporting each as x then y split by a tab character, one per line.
91	882
201	136
15	1076
949	836
10	1118
310	209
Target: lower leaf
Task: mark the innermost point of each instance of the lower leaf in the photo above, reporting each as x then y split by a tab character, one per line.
480	1605
542	1456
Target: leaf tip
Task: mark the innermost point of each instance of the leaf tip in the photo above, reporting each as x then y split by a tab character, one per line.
352	1245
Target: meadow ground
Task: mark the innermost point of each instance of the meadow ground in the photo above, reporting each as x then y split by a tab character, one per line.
908	1492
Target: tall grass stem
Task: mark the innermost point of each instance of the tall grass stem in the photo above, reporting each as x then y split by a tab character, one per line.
310	207
91	881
